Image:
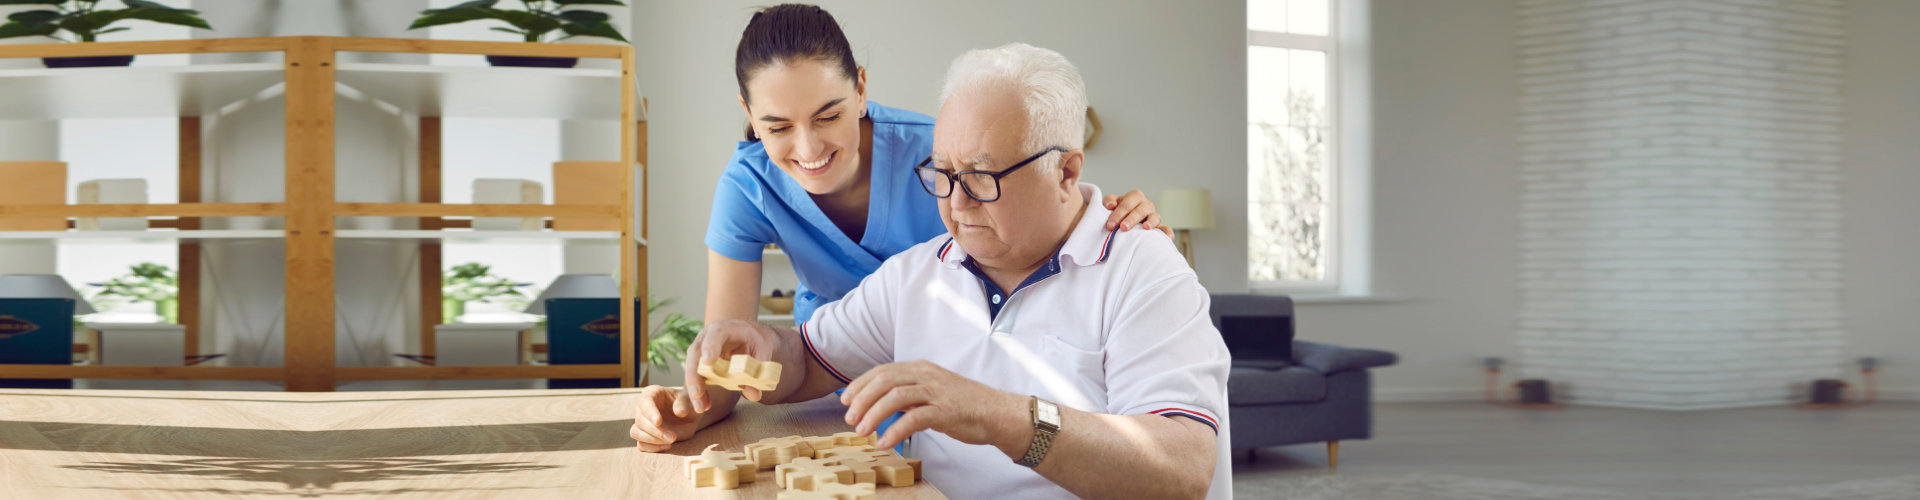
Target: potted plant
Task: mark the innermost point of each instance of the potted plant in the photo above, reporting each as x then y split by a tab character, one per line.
472	282
86	21
667	348
533	23
149	282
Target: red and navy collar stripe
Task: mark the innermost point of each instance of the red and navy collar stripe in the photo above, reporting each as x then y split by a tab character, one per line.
805	339
1196	416
1106	248
942	254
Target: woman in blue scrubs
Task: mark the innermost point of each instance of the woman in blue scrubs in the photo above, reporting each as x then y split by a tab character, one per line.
825	174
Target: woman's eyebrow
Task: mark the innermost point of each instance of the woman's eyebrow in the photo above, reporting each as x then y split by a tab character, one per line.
823	109
829	104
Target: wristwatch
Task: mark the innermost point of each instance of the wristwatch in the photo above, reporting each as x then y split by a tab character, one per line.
1046	425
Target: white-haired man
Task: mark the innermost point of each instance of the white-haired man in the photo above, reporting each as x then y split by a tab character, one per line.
1044	356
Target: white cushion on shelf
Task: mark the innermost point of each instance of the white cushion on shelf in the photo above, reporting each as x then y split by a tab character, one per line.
507	192
112	192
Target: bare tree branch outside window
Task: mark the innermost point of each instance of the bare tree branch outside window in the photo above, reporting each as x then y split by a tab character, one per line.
1287	206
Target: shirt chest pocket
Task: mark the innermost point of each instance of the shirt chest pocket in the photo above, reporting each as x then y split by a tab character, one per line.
1077	377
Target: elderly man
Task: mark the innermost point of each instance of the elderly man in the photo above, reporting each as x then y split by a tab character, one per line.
1047	357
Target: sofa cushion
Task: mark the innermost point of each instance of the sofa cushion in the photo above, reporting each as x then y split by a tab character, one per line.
1255	385
1258	337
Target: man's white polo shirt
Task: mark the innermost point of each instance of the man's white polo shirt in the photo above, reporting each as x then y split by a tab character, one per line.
1116	323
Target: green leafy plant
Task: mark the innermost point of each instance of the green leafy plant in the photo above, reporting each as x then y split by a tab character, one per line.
672	337
473	282
148	282
85	19
539	18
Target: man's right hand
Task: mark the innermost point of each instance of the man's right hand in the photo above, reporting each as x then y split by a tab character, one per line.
665	416
723	339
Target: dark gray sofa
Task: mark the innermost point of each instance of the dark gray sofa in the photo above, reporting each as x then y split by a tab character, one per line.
1322	394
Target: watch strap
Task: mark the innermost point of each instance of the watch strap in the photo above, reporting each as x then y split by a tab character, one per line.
1042	437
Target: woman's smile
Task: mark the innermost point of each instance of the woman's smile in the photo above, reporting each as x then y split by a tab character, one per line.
818	167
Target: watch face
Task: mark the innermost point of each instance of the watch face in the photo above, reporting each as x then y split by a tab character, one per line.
1049	413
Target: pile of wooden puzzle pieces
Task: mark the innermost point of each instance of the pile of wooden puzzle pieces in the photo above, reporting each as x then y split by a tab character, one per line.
843	466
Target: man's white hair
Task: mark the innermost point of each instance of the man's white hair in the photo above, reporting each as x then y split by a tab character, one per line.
1049	86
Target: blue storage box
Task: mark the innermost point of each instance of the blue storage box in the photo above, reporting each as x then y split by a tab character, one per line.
587	332
36	332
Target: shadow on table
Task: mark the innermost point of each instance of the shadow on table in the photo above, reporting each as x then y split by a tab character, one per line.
311	478
306	446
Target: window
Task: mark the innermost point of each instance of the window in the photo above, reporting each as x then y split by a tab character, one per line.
1292	182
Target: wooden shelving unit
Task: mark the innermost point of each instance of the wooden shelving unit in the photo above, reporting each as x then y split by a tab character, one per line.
308	75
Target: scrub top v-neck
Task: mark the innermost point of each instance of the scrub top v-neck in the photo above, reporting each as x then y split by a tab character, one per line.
755	203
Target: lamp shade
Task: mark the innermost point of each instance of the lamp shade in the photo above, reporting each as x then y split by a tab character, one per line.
43	286
1186	208
576	286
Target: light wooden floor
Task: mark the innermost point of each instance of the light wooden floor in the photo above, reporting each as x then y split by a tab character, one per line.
1643	453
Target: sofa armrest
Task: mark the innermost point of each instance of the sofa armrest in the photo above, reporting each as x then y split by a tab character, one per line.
1330	359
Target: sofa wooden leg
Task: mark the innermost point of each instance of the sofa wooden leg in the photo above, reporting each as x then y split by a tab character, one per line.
1333	454
1253	455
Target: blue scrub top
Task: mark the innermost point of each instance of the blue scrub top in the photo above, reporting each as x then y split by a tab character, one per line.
756	203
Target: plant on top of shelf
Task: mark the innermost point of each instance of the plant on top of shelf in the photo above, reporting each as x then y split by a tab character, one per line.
539	18
472	282
148	282
85	20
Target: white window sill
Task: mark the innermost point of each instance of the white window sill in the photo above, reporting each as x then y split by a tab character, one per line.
1335	298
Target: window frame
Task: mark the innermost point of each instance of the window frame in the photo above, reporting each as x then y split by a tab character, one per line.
1332	237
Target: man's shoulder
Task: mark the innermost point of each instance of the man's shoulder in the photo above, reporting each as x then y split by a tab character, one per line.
1146	253
923	255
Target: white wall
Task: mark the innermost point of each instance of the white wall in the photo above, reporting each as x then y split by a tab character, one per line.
1444	199
1882	171
1168	80
1681	164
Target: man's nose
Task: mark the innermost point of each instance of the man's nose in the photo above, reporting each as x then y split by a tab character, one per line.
960	199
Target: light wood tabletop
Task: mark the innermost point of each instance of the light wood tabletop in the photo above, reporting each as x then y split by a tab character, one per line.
439	444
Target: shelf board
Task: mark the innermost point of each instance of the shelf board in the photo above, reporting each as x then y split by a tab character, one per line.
203	89
480	236
148	236
131	92
489	92
168	236
781	318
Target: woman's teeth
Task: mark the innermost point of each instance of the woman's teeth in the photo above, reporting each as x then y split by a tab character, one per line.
815	165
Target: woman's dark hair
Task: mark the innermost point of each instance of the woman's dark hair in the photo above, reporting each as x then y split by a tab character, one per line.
788	32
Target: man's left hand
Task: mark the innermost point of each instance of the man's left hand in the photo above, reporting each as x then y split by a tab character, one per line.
934	399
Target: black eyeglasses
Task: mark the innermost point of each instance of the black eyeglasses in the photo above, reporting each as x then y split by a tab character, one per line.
981	185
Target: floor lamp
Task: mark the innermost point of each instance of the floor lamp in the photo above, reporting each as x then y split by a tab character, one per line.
1185	210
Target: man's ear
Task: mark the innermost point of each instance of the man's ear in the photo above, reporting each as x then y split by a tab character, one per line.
1071	163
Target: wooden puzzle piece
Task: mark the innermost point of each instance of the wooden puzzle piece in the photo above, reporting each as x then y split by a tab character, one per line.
832	491
844	439
887	467
770	452
858	452
741	371
808	474
722	469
